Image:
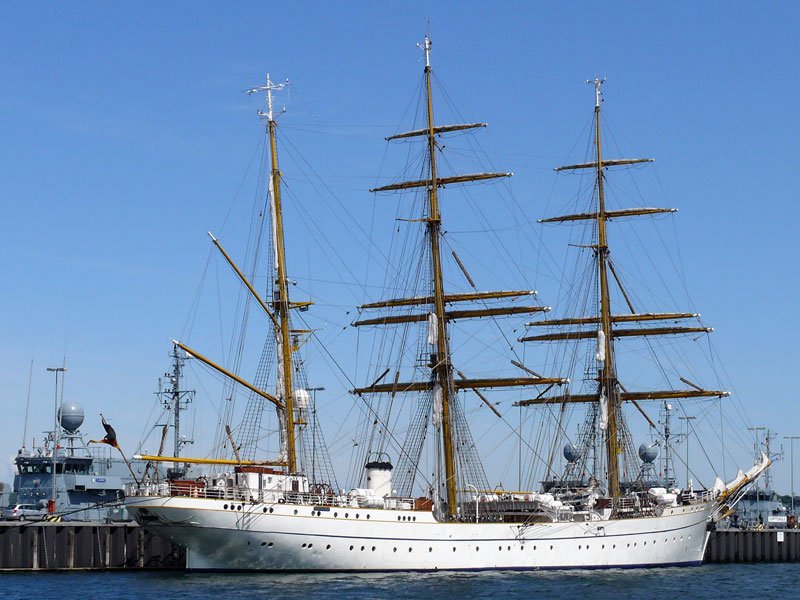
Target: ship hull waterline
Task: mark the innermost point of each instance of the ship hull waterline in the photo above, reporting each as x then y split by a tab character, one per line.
235	536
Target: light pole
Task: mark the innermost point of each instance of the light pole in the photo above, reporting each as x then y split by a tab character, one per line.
687	419
791	439
51	508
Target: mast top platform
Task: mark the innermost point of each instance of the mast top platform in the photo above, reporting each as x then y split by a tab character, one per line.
268	87
426	47
597	82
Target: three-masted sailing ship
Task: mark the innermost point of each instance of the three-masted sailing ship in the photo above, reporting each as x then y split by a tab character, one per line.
272	515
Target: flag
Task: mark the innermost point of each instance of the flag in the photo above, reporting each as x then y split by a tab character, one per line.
111	435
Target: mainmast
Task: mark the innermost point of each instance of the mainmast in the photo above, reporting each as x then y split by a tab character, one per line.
442	384
440	361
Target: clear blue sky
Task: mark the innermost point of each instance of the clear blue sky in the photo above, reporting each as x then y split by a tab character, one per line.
125	137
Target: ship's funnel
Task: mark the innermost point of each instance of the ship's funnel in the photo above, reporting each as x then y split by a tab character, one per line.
379	477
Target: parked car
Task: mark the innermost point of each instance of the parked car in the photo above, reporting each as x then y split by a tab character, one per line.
24	512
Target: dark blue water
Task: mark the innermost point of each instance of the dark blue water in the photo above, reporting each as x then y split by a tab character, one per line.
710	581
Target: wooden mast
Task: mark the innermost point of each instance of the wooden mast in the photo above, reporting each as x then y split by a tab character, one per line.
442	383
609	392
606	371
441	368
280	317
282	301
281	304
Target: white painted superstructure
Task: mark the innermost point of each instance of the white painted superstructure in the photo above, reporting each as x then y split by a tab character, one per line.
239	535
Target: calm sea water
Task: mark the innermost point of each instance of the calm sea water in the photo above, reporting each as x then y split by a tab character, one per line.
710	581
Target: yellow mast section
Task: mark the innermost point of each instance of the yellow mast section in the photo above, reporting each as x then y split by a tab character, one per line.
442	383
441	367
209	461
608	387
282	302
607	375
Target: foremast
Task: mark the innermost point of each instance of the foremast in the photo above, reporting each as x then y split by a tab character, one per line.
605	356
442	383
610	393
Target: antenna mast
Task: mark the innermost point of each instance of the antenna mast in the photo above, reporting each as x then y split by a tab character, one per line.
176	399
27	407
669	477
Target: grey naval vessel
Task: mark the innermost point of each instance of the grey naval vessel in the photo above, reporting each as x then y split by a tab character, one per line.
89	481
90	476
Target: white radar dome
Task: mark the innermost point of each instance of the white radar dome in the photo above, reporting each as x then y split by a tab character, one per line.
571	453
648	454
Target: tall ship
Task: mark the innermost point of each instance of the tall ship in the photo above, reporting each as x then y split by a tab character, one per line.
286	513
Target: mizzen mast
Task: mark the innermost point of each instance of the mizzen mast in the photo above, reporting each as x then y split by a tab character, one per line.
281	304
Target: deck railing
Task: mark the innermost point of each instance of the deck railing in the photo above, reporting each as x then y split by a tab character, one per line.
192	489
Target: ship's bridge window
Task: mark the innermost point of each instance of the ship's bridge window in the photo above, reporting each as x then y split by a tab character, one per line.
36	469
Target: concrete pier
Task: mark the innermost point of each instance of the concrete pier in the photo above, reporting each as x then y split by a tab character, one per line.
100	546
742	546
90	546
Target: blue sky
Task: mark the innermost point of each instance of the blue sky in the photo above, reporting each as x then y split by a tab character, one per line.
125	137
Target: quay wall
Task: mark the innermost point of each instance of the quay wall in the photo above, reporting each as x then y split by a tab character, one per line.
744	546
126	546
85	546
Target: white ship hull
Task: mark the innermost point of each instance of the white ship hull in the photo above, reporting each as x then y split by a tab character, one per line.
221	535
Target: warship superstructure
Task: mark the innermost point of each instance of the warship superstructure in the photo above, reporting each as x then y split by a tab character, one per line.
89	482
